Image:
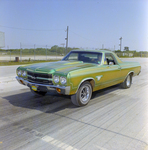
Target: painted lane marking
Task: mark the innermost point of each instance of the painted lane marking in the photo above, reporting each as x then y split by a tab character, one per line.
57	143
100	148
48	139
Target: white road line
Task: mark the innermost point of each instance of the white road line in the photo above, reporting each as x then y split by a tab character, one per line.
100	148
57	143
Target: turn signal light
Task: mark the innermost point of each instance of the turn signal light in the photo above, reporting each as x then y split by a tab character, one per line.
58	90
22	82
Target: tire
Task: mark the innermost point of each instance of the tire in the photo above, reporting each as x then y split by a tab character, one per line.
127	82
83	95
38	93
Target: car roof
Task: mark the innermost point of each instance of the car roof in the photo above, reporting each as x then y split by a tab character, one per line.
101	51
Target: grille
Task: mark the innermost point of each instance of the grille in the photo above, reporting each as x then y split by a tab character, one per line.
41	75
32	77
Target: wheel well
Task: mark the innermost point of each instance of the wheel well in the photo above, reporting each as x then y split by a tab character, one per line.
131	73
91	81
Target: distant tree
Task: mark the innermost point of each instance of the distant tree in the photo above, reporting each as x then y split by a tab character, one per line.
126	48
118	50
54	48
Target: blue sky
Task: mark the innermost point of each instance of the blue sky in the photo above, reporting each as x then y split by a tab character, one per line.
91	23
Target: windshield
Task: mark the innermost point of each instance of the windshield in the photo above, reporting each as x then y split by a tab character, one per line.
88	57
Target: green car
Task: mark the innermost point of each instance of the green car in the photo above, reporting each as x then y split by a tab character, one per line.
78	74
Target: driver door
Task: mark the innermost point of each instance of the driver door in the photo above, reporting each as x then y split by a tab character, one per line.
111	71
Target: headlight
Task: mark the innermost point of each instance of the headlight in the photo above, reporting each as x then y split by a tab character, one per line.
19	72
63	80
24	73
56	79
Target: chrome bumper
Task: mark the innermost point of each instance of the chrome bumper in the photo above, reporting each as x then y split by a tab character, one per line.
64	89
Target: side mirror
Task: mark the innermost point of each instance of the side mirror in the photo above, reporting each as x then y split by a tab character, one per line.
111	63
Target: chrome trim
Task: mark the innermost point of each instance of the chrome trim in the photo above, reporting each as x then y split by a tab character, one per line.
65	88
84	81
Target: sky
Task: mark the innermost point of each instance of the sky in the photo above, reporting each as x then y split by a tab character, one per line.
92	23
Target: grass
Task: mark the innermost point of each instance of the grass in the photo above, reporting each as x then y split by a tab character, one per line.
9	63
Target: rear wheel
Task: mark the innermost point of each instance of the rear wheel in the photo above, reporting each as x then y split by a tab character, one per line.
127	82
83	95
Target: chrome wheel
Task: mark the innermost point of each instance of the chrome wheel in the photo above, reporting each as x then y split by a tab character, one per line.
128	81
85	93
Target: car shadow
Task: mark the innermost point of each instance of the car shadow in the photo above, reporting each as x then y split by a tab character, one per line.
53	102
105	91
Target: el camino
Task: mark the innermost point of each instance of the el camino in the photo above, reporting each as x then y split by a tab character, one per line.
78	74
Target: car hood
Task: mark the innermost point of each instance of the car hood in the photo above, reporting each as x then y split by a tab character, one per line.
59	66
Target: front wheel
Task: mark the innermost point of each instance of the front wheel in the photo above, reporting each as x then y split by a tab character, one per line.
127	82
83	95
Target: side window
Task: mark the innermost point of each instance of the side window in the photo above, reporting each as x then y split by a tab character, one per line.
110	59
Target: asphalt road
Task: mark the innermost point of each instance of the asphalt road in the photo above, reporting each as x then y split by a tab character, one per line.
115	118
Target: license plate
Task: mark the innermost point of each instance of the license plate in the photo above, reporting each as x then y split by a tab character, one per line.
34	88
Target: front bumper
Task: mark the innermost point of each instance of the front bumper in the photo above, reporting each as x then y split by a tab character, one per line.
44	87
